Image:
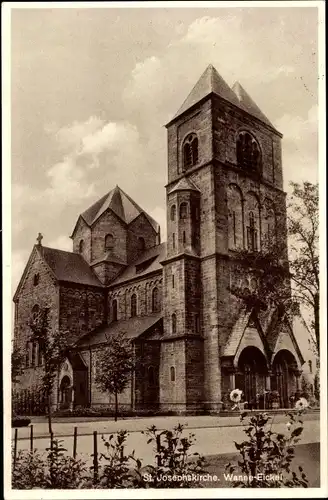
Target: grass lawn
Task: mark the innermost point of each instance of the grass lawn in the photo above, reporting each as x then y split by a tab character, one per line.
306	456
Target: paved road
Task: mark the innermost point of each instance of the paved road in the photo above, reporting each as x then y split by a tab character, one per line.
213	435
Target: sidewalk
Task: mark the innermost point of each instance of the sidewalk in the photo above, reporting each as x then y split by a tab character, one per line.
103	426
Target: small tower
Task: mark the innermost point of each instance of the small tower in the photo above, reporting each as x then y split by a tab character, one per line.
183	202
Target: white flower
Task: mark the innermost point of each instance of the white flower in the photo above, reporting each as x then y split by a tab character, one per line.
235	395
301	404
288	425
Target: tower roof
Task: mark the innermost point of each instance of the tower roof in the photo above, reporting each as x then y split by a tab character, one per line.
121	204
211	82
248	105
184	184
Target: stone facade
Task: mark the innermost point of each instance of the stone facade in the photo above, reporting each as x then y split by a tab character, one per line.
193	340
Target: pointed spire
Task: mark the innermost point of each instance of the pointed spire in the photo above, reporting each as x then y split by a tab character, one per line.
209	82
247	104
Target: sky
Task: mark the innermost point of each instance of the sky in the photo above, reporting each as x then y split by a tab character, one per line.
91	91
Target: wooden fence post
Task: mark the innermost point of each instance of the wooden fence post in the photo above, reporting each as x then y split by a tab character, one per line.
74	442
15	447
95	457
51	441
158	443
31	438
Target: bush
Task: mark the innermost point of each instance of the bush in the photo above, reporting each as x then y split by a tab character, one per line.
174	460
57	471
266	456
20	421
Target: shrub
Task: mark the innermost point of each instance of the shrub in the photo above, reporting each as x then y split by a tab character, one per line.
57	471
174	460
17	421
266	454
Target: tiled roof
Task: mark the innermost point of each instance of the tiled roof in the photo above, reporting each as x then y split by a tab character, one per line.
69	266
184	184
211	82
232	344
248	105
121	204
132	328
154	255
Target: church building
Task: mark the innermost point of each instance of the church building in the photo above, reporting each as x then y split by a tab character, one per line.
193	340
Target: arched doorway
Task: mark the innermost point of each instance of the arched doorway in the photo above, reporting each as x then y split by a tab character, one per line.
65	392
251	376
284	373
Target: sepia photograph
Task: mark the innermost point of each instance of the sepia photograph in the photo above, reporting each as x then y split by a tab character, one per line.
164	218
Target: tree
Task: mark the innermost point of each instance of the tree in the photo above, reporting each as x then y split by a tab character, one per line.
115	364
53	346
284	283
303	228
17	363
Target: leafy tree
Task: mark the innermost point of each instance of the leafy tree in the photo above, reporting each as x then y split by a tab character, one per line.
53	346
115	364
303	227
17	363
283	283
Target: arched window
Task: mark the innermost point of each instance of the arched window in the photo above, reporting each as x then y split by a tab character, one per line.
184	237
141	244
197	323
173	212
235	214
270	225
252	222
174	323
183	210
251	233
81	246
40	354
190	151
109	242
248	152
34	348
156	306
151	376
133	305
310	366
172	373
173	241
36	312
36	279
114	310
173	281
27	354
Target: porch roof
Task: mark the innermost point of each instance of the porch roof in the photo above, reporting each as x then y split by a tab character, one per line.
232	344
132	328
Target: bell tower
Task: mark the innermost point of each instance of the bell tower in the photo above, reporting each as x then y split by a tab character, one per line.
224	172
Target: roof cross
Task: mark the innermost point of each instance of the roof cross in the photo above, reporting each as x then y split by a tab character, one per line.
39	239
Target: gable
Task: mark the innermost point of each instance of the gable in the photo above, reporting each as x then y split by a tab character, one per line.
286	340
35	265
246	332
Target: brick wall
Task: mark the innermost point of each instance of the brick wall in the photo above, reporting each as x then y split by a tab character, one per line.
140	227
143	289
81	309
173	392
198	121
82	232
108	223
45	294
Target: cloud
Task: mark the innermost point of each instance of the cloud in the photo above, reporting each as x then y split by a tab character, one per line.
300	146
159	214
62	242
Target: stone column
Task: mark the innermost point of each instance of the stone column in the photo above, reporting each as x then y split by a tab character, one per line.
298	374
268	381
232	377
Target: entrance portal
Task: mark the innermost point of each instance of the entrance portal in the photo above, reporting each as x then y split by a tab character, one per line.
251	376
284	377
65	392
